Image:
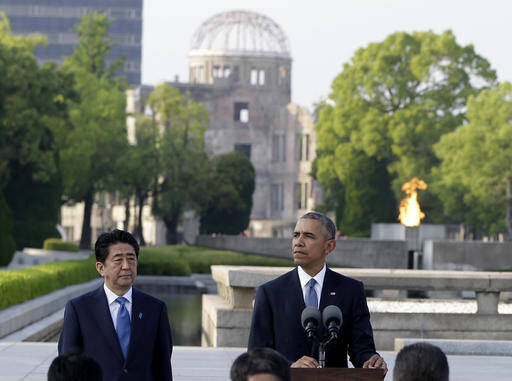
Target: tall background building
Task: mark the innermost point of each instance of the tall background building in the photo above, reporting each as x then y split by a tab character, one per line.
56	18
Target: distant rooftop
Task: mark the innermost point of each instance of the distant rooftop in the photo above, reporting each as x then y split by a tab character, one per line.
240	33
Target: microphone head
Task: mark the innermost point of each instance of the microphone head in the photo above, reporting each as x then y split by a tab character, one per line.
310	315
331	314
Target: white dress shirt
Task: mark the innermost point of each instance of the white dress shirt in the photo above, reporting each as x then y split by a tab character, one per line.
114	306
304	278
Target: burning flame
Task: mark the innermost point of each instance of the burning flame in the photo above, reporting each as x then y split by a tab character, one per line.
410	212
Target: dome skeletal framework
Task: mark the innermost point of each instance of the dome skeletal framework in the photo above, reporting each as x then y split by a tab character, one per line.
240	33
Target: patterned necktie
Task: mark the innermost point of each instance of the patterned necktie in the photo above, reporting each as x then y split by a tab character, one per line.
311	296
123	325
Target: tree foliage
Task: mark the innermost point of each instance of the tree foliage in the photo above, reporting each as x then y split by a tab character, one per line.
389	105
183	124
7	244
91	149
474	180
140	166
33	109
228	207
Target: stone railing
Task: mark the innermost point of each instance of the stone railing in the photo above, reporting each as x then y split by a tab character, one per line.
226	316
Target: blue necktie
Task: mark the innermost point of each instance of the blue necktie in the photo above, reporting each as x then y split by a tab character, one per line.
311	296
123	325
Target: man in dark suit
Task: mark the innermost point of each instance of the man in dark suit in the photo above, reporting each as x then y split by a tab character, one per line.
276	320
125	330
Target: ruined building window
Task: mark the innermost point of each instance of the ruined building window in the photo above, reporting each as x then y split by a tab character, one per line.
254	77
302	144
235	73
298	146
282	76
257	77
300	195
297	195
199	77
306	147
244	148
277	197
217	72
197	74
241	112
261	77
305	203
227	71
278	148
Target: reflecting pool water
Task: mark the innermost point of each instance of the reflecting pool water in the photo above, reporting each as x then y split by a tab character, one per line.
185	318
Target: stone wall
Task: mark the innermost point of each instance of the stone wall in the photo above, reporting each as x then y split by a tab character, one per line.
226	316
368	253
467	255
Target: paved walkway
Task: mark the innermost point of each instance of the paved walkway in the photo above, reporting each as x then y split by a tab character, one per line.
30	362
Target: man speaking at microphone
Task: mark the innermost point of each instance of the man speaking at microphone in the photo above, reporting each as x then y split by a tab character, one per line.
276	320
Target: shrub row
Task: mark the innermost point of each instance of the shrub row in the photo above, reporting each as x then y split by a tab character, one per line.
59	245
17	286
200	259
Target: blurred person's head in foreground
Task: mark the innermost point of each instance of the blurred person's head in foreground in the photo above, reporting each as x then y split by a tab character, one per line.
421	362
74	366
260	364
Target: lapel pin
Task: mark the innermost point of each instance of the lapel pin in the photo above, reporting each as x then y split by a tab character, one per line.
333	293
140	315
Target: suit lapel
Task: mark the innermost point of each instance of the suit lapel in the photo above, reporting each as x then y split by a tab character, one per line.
329	290
138	317
101	312
296	290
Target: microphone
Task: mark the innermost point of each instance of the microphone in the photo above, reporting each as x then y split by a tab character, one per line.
332	318
310	319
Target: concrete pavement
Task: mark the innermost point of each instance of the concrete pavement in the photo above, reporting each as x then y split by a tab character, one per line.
30	361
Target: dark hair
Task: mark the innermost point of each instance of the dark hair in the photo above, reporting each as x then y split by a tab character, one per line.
106	240
74	366
259	361
326	222
421	362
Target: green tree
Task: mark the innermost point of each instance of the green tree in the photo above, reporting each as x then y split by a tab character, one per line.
389	105
229	204
98	137
7	244
33	110
140	167
183	124
474	180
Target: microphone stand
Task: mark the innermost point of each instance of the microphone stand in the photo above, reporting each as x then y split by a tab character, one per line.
321	348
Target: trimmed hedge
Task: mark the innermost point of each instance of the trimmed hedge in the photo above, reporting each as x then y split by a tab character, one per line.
59	245
200	259
152	267
17	286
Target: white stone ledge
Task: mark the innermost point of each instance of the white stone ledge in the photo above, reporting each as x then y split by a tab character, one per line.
463	347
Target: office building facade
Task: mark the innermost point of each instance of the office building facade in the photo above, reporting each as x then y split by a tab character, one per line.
56	18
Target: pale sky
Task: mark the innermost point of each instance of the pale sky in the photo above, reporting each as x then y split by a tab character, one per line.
324	34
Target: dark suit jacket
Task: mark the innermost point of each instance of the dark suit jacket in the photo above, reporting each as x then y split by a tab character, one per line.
88	325
276	320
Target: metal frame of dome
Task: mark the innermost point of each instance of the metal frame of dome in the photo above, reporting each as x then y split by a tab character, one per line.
240	33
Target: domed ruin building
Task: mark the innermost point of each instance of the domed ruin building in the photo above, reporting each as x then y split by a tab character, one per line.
240	68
